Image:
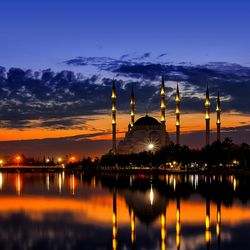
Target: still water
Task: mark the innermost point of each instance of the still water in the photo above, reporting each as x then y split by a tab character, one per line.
75	211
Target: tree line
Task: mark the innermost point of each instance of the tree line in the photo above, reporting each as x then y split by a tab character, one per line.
222	154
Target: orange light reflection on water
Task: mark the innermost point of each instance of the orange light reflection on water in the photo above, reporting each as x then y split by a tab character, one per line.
98	209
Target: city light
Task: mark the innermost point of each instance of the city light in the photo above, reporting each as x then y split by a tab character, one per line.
72	159
150	146
18	159
1	162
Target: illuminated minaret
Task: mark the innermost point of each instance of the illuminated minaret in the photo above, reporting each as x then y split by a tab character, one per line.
132	108
163	105
177	112
207	117
218	122
163	114
113	97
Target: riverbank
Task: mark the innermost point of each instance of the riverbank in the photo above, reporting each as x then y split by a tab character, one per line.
130	171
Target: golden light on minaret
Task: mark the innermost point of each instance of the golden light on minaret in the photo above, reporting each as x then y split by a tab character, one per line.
163	104
132	108
163	113
163	231
178	224
113	98
177	113
218	121
207	116
114	223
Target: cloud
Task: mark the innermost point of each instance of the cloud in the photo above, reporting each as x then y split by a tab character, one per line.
161	55
59	100
142	57
124	56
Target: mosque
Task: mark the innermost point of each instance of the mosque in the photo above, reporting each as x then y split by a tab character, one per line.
148	133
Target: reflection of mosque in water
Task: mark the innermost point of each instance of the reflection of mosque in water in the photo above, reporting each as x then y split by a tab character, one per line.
149	203
149	206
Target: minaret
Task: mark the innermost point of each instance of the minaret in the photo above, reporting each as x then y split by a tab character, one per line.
132	108
163	111
113	97
218	112
177	112
207	117
163	105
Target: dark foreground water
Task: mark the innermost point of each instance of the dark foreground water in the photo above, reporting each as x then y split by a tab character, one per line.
75	211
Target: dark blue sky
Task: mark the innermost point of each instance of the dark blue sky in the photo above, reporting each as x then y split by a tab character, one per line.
41	34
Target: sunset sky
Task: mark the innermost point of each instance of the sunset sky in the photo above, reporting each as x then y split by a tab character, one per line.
58	59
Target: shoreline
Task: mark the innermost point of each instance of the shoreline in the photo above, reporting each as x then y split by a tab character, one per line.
115	170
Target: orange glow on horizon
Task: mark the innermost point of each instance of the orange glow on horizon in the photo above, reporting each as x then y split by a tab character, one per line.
102	124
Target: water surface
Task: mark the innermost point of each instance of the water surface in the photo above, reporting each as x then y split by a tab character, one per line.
75	211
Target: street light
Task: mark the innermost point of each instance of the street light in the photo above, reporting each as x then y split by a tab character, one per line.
72	159
18	159
1	162
59	160
150	146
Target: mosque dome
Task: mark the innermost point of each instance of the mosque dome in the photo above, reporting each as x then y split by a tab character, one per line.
146	121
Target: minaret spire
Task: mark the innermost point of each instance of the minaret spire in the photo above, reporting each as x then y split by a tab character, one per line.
163	113
113	98
163	104
132	107
207	117
177	112
218	112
